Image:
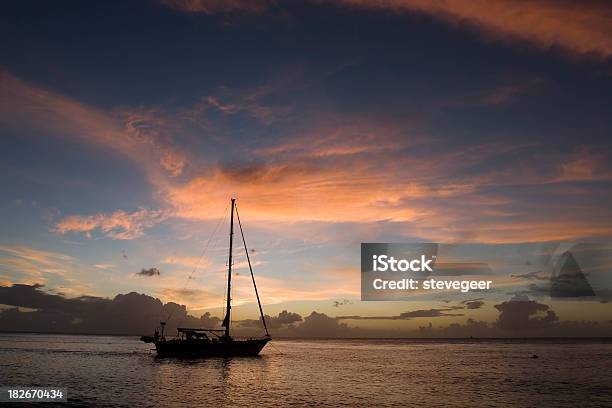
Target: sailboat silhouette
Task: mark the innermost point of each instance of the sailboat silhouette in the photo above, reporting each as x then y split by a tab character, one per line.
196	342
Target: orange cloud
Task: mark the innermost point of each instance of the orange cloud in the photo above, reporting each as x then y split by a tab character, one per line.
586	165
27	106
579	27
337	136
337	169
118	225
297	192
34	264
189	261
346	177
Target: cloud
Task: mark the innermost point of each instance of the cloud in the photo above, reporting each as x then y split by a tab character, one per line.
345	137
150	130
520	313
139	314
35	265
44	258
25	105
117	225
428	313
585	164
208	321
473	304
134	134
149	272
343	302
286	317
306	175
136	314
28	296
303	190
104	266
218	6
246	104
131	313
281	321
580	28
189	261
409	315
322	326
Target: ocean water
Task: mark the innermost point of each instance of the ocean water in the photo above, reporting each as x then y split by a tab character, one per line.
123	372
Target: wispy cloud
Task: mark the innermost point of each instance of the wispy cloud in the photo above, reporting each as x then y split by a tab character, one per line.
586	165
104	266
189	261
307	176
391	170
117	225
413	314
34	264
24	105
580	28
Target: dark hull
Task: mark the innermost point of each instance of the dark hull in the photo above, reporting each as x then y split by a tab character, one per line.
197	349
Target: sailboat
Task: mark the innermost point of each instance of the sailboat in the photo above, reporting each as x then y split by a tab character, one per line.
199	342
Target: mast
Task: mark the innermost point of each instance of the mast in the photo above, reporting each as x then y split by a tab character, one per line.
263	319
226	321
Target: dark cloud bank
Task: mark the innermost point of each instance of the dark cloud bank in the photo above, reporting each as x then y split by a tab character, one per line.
34	310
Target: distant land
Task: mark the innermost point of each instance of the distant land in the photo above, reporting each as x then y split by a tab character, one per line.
27	308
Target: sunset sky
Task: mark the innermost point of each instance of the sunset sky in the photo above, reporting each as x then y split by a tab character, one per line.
126	127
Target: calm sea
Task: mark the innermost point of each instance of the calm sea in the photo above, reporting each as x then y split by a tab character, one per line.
121	371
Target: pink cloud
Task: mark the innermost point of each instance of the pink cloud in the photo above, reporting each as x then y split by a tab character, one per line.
580	28
117	225
27	106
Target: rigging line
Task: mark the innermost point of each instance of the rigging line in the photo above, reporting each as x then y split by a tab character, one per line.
246	251
208	242
215	245
224	290
278	351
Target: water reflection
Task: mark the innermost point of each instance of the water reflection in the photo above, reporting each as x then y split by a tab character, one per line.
213	379
120	372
